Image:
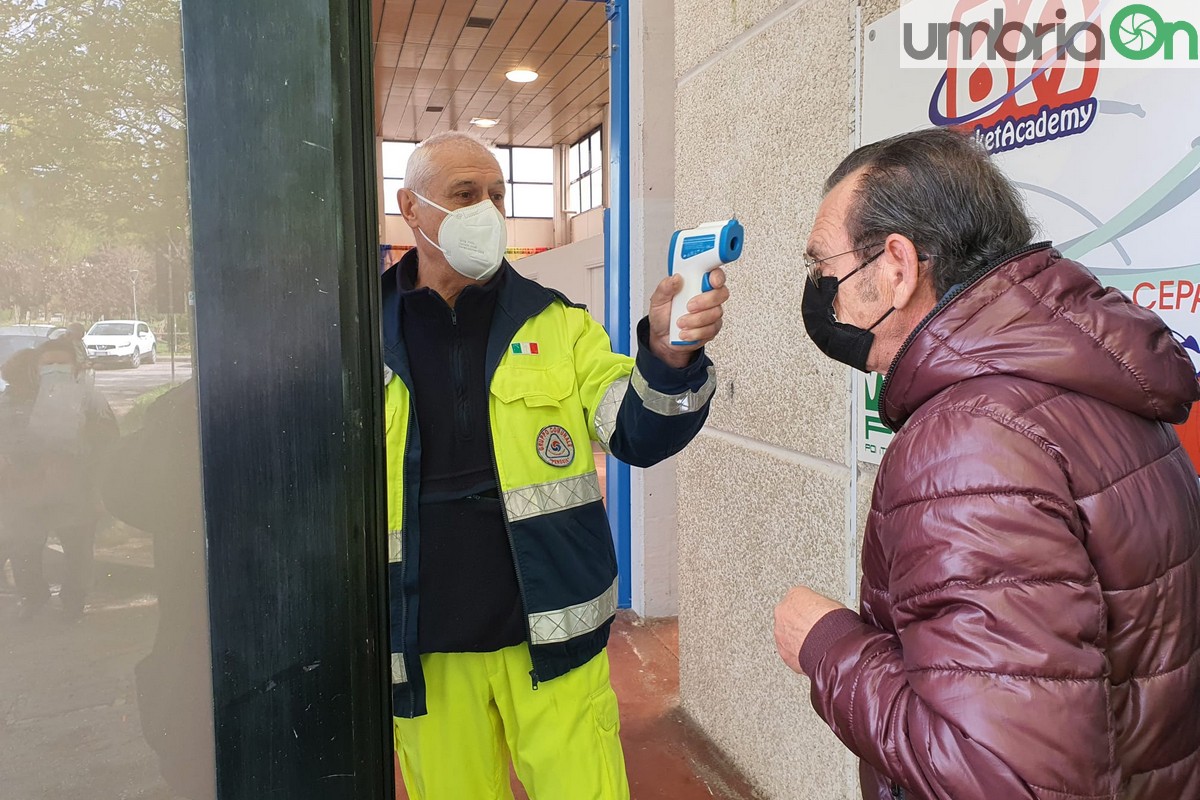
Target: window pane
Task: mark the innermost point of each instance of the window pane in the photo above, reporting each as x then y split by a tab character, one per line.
587	193
597	151
501	154
508	199
390	204
573	198
105	683
533	164
582	159
395	158
597	189
533	200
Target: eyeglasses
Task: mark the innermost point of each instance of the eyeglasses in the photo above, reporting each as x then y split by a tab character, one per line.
812	264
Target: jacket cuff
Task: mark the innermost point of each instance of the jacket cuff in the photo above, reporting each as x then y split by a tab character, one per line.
829	629
663	377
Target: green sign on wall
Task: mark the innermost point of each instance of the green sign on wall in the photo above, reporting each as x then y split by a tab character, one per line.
873	436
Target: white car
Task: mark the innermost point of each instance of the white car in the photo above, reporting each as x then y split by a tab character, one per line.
121	340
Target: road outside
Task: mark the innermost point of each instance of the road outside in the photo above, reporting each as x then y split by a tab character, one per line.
123	386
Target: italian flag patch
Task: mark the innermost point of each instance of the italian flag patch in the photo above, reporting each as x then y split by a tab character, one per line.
525	348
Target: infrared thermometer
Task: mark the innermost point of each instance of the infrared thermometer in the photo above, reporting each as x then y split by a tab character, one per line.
694	253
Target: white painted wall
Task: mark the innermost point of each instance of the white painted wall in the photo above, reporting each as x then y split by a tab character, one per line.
576	270
531	233
587	225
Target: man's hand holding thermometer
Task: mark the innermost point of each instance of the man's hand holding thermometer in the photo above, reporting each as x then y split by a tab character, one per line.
686	308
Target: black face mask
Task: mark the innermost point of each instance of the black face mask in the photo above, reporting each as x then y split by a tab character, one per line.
845	343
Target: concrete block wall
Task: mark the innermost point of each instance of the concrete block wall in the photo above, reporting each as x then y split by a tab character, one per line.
770	494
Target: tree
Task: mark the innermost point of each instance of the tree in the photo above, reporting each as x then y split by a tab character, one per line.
92	140
23	285
102	284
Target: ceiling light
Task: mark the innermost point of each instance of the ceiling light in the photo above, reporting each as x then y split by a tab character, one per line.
484	122
521	75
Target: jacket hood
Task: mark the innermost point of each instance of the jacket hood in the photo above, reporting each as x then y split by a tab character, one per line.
1041	317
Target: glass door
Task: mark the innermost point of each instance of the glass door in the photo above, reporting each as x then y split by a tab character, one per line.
191	563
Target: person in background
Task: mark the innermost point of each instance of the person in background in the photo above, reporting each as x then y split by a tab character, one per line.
1031	568
74	335
56	429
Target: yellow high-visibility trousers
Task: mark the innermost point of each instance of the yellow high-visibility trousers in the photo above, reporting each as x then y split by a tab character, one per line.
563	737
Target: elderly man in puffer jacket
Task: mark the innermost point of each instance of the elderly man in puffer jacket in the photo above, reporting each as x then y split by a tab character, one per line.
1031	570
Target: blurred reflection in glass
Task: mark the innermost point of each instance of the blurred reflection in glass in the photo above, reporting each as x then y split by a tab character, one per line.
174	697
105	683
56	429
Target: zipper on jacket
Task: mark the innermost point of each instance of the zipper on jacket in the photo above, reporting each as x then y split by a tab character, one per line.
937	309
512	547
459	377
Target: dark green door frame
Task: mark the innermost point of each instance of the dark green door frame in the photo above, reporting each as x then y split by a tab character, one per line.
281	145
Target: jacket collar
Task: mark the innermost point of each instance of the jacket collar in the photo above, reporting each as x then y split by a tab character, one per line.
518	300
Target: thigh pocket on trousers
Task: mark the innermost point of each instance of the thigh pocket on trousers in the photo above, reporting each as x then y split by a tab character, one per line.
613	783
603	703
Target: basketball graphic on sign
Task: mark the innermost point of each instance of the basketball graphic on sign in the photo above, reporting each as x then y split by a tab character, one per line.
555	447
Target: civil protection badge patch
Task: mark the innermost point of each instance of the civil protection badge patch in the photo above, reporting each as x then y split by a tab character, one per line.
554	446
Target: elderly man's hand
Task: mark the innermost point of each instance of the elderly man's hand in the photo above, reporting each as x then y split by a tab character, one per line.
795	617
700	325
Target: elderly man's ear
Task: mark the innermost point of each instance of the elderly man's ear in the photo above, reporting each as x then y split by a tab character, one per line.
408	205
902	269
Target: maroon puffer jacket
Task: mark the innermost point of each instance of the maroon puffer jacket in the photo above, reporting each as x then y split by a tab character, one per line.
1031	573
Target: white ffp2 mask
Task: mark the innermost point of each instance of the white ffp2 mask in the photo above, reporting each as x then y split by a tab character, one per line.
473	239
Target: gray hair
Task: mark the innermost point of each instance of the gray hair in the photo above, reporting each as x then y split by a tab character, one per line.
940	189
419	172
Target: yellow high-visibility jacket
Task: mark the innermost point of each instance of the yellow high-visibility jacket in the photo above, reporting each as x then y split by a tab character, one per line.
555	386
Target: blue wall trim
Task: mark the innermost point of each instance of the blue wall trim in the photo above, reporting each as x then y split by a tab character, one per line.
616	265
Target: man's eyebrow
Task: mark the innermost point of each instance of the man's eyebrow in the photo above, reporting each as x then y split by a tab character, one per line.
813	252
462	182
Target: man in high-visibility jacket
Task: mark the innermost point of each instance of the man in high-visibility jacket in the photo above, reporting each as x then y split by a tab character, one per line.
502	568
